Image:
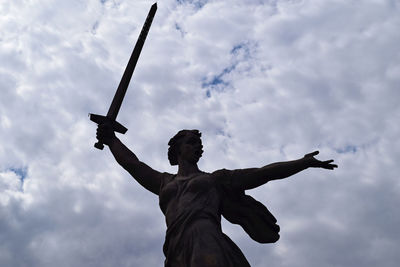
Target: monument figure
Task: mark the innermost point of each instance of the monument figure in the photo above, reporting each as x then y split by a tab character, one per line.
193	201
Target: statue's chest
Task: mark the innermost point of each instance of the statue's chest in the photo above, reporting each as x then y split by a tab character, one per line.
194	193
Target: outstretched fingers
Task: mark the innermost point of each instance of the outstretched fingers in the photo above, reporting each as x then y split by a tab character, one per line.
327	164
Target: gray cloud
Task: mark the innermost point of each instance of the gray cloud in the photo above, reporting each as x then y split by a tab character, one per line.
264	81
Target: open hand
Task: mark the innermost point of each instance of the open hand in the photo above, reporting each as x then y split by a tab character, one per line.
313	162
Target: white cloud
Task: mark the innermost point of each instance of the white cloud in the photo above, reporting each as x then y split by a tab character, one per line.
264	81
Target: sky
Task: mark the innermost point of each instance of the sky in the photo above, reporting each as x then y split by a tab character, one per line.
264	81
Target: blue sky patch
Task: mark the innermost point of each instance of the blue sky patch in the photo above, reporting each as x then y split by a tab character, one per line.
217	82
240	52
347	149
179	28
197	3
218	79
21	173
242	48
236	48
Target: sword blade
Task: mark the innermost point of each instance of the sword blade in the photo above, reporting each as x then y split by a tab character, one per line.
123	85
126	77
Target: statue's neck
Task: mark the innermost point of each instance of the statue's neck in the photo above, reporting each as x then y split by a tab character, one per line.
185	169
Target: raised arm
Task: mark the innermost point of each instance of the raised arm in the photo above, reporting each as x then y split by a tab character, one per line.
254	177
141	172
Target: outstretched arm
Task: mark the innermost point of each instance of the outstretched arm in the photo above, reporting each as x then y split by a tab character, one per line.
141	172
254	177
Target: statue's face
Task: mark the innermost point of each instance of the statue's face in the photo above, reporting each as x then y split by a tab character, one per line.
191	148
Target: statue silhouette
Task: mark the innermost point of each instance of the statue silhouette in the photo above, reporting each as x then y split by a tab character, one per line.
193	201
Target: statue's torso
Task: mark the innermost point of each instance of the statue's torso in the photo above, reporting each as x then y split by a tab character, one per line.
198	195
193	217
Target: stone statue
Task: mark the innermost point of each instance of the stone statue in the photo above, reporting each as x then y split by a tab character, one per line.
193	201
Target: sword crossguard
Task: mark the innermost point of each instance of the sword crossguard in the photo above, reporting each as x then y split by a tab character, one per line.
116	126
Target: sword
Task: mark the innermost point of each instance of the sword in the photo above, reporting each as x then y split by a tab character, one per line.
123	85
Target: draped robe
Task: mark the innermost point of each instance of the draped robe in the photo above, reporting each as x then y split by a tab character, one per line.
193	207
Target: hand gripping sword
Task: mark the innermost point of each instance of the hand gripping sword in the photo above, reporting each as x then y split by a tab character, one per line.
123	85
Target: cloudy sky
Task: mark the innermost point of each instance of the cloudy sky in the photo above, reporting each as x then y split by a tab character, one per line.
264	81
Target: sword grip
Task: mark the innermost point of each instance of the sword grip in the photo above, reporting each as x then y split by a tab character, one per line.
116	126
99	145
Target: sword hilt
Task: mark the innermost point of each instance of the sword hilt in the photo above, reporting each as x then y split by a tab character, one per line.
116	126
99	145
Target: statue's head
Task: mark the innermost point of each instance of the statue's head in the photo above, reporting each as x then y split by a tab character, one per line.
187	144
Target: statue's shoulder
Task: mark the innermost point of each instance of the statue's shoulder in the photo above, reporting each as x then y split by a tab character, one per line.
166	178
221	172
222	176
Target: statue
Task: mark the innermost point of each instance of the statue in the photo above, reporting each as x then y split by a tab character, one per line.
193	201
